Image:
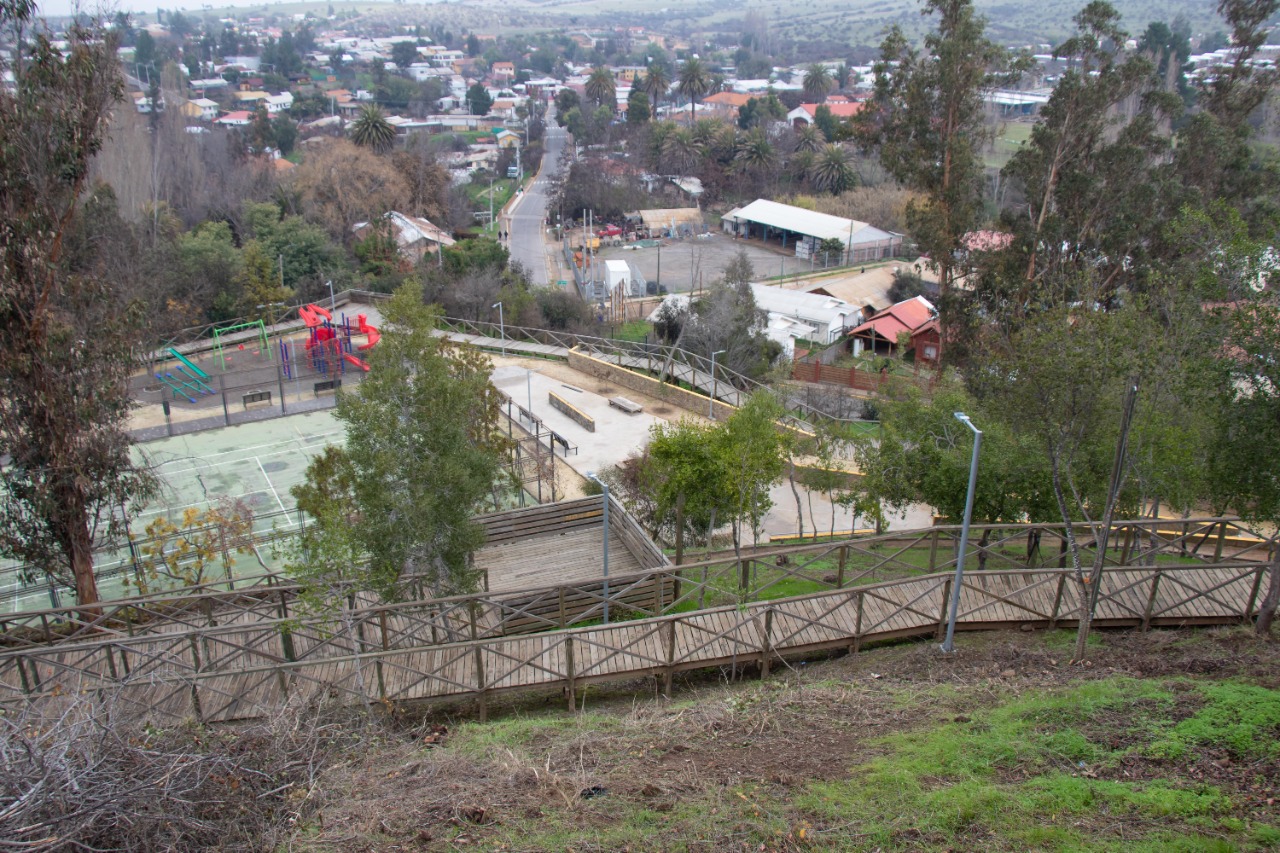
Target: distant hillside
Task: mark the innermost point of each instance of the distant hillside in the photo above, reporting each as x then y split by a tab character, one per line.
856	22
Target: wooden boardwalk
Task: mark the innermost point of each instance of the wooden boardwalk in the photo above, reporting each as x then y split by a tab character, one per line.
227	675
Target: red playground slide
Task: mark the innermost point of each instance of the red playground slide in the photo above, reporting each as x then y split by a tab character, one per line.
314	316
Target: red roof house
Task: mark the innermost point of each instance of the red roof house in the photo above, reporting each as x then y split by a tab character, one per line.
880	333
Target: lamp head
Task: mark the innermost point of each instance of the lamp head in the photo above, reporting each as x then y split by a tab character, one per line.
961	416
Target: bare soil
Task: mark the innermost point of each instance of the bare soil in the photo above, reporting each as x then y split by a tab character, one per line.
725	743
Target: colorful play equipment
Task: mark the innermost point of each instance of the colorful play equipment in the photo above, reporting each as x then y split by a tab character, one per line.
220	334
188	382
329	345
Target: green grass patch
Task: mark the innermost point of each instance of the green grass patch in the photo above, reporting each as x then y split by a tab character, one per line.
1027	774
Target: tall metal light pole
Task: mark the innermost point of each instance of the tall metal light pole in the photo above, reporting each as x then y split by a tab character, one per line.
502	327
948	645
711	400
332	302
528	384
592	476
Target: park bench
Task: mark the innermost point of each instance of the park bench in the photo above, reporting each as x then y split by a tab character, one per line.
327	385
255	397
629	406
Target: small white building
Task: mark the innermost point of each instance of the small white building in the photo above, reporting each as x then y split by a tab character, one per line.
278	103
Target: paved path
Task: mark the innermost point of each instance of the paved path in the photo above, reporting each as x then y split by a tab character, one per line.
526	216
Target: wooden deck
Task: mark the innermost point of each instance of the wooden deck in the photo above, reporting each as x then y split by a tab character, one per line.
228	675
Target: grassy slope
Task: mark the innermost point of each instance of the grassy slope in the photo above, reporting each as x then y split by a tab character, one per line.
1166	742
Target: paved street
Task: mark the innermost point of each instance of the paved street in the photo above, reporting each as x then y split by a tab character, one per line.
525	217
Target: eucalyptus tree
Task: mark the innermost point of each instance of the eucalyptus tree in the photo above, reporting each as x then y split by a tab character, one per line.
68	333
926	119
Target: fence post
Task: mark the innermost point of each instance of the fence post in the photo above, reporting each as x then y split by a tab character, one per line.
669	673
844	558
1217	548
481	697
22	674
766	648
1057	600
1257	585
222	390
933	550
382	625
1128	543
1151	601
857	624
946	604
569	673
659	586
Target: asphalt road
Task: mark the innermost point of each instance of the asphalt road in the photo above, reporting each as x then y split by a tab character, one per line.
527	215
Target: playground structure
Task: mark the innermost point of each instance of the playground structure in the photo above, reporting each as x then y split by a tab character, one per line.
185	380
221	374
329	347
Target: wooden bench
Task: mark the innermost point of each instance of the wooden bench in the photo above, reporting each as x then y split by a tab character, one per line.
256	397
327	385
631	407
580	417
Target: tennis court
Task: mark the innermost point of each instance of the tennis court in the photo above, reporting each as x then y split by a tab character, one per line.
257	463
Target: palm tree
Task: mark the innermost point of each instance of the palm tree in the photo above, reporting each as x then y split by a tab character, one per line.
657	80
832	171
681	151
372	130
601	89
809	138
817	82
695	82
659	132
800	166
755	154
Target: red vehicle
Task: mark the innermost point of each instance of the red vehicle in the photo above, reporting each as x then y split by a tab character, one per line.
609	231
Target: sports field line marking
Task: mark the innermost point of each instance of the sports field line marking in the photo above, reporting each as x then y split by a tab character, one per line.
292	442
176	510
213	466
270	484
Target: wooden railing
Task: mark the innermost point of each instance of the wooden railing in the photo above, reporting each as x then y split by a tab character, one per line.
210	637
769	573
214	677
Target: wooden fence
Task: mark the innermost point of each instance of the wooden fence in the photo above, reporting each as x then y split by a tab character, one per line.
213	663
210	677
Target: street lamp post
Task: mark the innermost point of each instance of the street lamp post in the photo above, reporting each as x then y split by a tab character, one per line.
528	384
332	302
711	401
948	645
604	486
502	327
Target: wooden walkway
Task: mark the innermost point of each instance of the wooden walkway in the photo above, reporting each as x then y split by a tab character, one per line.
228	675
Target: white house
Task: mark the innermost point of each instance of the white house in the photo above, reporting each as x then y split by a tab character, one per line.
278	103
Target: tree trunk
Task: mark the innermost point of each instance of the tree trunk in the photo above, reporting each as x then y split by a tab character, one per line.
791	478
680	528
80	550
1267	610
982	548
